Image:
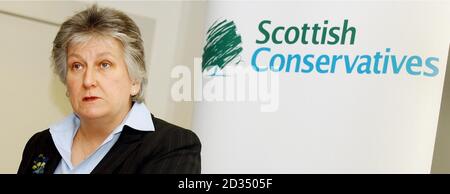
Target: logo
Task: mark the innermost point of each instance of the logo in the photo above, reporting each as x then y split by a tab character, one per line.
278	52
223	46
222	74
39	164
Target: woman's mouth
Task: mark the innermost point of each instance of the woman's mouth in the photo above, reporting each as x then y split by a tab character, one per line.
90	98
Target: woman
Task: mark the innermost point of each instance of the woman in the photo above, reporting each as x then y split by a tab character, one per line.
99	56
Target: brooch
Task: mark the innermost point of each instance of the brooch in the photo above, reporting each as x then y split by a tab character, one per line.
39	164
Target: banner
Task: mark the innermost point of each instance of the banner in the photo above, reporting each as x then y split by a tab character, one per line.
321	87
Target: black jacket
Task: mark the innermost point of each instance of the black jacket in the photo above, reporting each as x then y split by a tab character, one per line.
168	149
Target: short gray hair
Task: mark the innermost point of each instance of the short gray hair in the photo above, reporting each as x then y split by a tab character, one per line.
109	22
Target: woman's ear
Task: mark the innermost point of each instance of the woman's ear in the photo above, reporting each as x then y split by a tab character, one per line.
135	88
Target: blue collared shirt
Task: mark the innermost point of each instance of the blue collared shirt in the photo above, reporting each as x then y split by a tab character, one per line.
62	133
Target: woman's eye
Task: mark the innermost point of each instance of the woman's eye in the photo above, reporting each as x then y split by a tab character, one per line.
105	65
77	66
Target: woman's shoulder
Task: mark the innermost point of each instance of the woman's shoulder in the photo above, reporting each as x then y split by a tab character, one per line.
171	130
39	147
40	141
170	149
170	136
39	138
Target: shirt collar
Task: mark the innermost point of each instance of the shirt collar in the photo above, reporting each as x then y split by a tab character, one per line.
139	118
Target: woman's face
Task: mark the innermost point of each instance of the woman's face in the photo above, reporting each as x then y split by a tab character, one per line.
97	79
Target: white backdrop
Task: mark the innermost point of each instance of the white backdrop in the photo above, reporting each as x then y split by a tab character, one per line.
332	122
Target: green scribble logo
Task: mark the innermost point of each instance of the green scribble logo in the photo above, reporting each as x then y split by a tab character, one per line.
223	45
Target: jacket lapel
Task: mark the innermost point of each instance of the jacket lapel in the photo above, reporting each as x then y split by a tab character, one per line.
52	163
128	141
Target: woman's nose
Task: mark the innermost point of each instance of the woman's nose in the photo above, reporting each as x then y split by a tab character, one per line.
90	78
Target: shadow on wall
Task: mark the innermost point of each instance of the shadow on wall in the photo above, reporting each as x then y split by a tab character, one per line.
147	27
441	155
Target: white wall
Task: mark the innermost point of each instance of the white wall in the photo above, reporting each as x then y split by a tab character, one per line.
33	97
328	122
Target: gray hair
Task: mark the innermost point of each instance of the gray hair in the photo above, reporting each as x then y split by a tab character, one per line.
96	21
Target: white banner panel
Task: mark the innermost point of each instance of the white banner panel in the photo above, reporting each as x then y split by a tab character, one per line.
353	87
